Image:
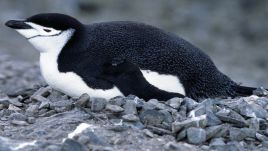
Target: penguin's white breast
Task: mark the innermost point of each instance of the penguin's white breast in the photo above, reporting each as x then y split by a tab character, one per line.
166	82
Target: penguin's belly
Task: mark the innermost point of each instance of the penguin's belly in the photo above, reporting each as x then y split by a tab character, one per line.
70	83
166	82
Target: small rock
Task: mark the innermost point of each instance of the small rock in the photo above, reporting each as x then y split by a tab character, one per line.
175	102
119	101
200	121
16	102
216	142
98	104
53	148
249	132
236	134
83	139
66	104
114	108
44	104
261	137
181	135
94	139
212	119
155	102
49	113
31	120
130	118
43	91
196	135
32	109
12	107
82	100
19	123
230	116
130	107
252	110
148	133
213	131
72	145
17	116
159	131
190	103
5	101
38	98
151	117
260	92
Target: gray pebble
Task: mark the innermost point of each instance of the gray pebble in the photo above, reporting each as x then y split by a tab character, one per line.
190	103
114	108
83	100
196	135
38	98
44	104
130	118
72	145
151	117
181	135
32	109
175	102
260	92
119	101
12	107
230	116
19	123
16	102
98	104
31	120
236	134
148	133
130	107
261	137
253	110
213	131
212	119
17	116
200	121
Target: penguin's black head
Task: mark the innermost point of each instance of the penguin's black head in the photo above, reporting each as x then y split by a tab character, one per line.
47	31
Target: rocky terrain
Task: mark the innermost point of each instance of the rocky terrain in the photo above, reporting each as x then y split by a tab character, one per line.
39	118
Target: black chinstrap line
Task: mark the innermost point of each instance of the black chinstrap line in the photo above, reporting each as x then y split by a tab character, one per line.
45	36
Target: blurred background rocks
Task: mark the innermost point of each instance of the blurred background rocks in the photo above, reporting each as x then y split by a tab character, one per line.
233	32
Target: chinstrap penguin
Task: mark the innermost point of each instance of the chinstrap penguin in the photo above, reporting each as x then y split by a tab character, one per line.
121	57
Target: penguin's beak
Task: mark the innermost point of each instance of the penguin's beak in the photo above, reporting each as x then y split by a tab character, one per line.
17	24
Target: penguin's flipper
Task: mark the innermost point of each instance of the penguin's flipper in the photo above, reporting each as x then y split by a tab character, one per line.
129	79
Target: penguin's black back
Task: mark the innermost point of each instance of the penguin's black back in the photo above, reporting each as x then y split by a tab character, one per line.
148	47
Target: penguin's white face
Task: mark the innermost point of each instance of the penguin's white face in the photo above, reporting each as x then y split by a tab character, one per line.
46	39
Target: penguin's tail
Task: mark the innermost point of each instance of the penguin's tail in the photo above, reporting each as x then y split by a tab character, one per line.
244	90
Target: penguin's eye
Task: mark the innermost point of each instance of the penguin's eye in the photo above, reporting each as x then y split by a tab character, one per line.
47	30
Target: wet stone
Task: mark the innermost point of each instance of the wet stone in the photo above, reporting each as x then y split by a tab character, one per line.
114	108
200	121
71	145
196	135
98	104
152	117
130	118
82	100
130	107
175	102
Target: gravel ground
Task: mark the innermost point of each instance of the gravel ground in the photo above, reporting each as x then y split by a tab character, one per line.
33	116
